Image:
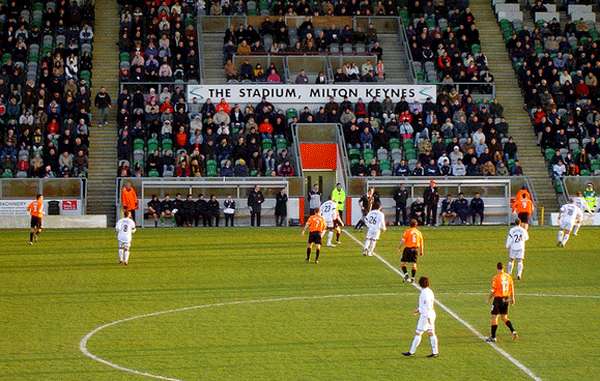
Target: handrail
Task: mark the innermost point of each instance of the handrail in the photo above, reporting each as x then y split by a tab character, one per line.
200	40
407	51
345	160
296	150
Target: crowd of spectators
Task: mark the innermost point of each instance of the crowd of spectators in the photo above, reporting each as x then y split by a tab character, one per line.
455	136
161	135
158	41
558	70
277	38
46	50
444	42
302	8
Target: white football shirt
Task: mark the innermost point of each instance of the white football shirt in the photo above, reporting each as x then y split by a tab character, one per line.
125	228
516	238
329	211
426	303
375	220
570	213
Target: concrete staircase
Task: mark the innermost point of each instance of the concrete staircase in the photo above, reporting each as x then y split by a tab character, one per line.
212	54
509	95
103	139
396	67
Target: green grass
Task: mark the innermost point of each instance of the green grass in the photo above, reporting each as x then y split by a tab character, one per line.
55	292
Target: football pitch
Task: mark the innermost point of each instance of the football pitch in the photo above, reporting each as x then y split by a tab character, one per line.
241	304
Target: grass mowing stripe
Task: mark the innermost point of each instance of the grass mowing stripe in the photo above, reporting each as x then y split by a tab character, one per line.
454	315
84	341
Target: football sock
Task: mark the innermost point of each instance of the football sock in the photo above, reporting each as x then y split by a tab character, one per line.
404	270
576	229
509	325
373	244
509	267
337	237
519	268
413	272
30	237
317	256
120	255
155	223
329	237
126	255
565	238
307	253
494	329
434	344
415	343
560	235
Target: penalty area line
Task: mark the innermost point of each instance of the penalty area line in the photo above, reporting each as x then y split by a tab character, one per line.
456	317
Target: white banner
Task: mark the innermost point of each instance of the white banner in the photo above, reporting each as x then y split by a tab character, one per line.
307	94
71	207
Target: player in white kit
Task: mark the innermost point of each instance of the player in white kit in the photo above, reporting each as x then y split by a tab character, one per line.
375	222
585	210
426	323
515	243
125	227
332	219
569	219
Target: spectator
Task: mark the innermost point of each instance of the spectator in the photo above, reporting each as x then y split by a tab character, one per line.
431	198
103	104
281	208
229	211
213	211
477	207
461	208
255	200
448	213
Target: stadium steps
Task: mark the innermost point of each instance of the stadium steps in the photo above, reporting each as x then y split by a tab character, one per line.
396	67
103	139
509	95
212	54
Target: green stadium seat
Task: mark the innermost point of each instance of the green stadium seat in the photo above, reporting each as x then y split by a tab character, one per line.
7	174
585	172
153	173
124	57
138	144
167	144
211	168
281	143
253	173
394	143
267	144
291	113
152	144
354	154
549	154
368	154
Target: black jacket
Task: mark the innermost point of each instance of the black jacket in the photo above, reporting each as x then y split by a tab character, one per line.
431	196
255	200
281	204
477	205
201	207
400	197
213	207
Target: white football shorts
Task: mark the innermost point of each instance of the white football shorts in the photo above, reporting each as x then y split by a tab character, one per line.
426	324
373	234
124	244
516	254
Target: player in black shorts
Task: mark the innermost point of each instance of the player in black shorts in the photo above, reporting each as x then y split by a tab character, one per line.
316	226
502	295
412	240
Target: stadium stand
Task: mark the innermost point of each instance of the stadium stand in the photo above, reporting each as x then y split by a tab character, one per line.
557	65
277	39
46	52
158	42
160	136
302	8
455	136
444	43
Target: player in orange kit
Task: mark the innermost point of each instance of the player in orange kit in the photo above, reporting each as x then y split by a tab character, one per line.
412	239
501	296
524	209
36	210
316	226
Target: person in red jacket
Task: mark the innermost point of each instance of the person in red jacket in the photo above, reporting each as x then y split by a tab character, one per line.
265	128
223	106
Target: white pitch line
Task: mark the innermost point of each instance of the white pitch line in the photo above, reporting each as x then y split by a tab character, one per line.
84	341
501	351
